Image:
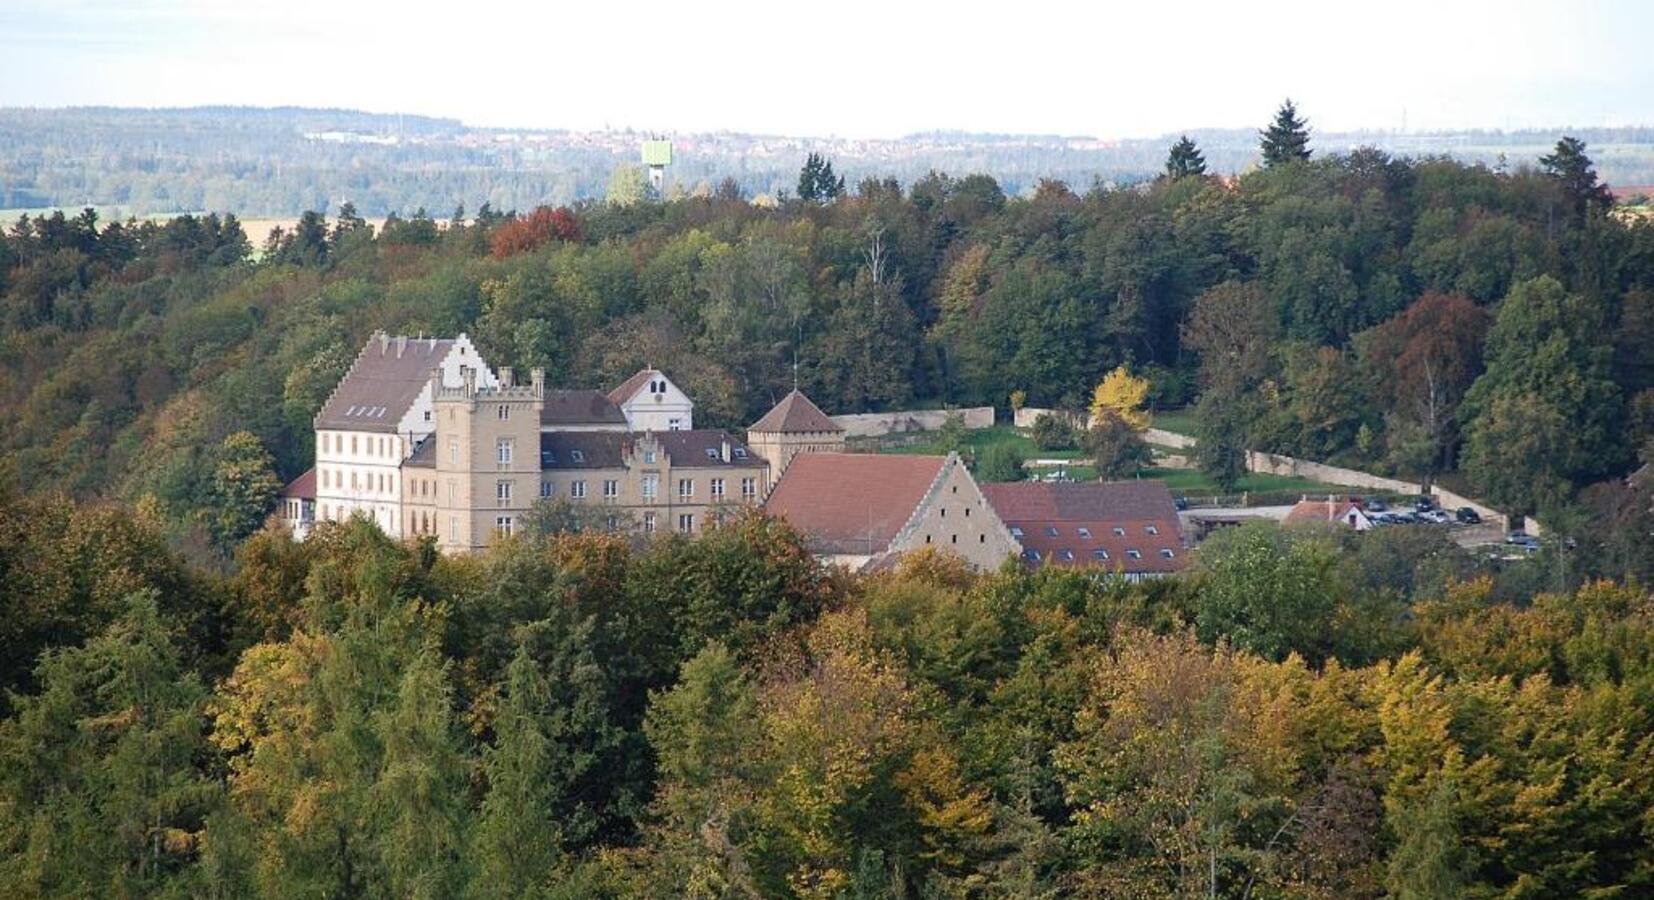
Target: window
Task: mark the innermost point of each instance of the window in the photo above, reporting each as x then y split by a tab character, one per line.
1100	553
577	455
611	489
502	451
1152	529
502	524
686	488
749	488
548	488
717	489
1084	532
1051	530
613	522
686	523
649	456
451	490
649	523
453	529
1166	553
740	452
651	487
944	512
674	424
453	450
577	489
1119	532
953	539
1067	555
503	412
427	415
324	478
502	491
353	484
353	444
548	458
1134	554
1016	532
1031	555
711	453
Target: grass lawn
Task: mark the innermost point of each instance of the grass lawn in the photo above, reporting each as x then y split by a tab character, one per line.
1177	421
980	439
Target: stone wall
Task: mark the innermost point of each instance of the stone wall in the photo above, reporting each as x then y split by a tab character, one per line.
1160	437
874	424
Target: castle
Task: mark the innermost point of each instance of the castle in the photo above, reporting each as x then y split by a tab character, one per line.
424	438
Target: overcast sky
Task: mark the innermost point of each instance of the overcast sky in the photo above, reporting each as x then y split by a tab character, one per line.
863	68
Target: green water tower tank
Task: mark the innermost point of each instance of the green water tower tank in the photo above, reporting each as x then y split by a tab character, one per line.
657	153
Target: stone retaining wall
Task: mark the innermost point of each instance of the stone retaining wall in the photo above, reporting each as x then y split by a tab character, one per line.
874	424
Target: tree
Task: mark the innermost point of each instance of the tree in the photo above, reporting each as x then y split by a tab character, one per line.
100	793
1571	170
1184	159
816	181
1268	590
1422	362
1548	387
518	838
999	463
1233	327
1118	448
1121	396
1286	139
1054	431
244	488
418	804
1222	438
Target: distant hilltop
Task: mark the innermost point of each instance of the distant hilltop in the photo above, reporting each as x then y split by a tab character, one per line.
281	161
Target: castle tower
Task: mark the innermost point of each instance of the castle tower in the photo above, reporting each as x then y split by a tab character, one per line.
487	457
794	426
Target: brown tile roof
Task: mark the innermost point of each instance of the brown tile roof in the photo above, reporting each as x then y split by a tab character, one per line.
424	454
1093	524
852	503
629	388
302	487
382	383
607	449
795	414
580	408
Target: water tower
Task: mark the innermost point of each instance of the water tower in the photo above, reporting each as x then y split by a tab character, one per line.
657	155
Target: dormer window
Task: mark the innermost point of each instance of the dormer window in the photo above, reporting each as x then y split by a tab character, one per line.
1152	530
740	453
577	455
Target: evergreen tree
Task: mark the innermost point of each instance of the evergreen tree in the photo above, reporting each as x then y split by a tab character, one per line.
1572	170
1286	139
1185	159
517	839
816	181
244	487
100	793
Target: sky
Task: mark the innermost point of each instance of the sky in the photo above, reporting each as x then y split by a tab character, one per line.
853	68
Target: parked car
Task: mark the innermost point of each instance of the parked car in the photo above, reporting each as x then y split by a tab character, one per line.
1181	503
1435	516
1468	516
1528	543
1516	537
1376	505
1423	504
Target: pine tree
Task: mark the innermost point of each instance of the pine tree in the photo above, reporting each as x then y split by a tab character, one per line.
517	840
816	181
1572	170
1286	139
1184	159
100	794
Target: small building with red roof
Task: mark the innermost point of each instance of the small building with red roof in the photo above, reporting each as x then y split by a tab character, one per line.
1332	511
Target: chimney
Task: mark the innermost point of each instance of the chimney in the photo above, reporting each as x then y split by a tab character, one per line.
384	342
507	378
723	450
401	344
537	380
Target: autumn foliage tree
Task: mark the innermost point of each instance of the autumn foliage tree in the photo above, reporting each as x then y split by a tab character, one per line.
539	227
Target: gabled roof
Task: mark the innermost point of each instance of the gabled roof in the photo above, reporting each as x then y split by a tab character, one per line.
1322	511
1093	524
852	503
795	414
302	487
629	388
580	408
382	383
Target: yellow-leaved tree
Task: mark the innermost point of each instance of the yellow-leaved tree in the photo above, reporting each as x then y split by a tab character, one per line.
1121	395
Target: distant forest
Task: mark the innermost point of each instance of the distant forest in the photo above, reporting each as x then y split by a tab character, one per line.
282	162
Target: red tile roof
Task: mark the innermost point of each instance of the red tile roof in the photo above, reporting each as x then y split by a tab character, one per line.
793	415
852	503
1323	512
301	488
1075	524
